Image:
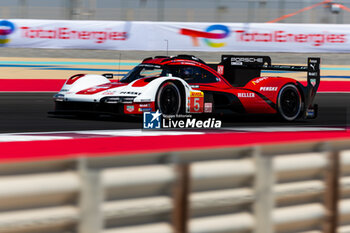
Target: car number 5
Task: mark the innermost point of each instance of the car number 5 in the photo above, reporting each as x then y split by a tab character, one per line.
196	104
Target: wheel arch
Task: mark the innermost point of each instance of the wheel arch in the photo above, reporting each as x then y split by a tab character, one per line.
84	81
303	97
298	88
182	95
181	89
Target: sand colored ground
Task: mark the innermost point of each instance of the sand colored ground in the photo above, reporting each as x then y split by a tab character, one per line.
62	68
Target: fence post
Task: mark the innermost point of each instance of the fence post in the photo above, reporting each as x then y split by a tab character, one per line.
331	195
264	195
91	198
181	192
23	9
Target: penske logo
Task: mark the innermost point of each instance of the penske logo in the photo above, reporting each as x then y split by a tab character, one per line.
268	88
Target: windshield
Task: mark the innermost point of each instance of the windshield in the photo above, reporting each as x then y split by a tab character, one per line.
143	71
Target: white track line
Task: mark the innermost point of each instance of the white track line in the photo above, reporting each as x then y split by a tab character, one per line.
45	136
284	129
139	132
63	135
24	138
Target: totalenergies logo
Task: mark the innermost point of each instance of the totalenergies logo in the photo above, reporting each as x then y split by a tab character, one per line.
208	34
6	28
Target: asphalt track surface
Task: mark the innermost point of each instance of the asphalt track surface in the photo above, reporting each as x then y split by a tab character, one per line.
28	112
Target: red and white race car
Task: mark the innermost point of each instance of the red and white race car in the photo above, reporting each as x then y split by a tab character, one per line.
186	84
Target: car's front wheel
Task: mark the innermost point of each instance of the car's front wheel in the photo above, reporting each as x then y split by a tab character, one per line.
289	102
169	99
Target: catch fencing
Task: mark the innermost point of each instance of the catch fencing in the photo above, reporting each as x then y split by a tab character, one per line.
302	187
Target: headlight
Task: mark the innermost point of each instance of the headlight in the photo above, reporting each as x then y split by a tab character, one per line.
127	100
123	100
112	100
143	100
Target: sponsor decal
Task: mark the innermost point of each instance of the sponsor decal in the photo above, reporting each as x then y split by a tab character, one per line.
152	120
6	28
268	88
312	66
130	93
281	36
130	108
145	105
108	93
219	31
208	107
66	33
216	31
195	102
240	60
259	80
196	94
246	95
221	69
145	109
313	74
313	82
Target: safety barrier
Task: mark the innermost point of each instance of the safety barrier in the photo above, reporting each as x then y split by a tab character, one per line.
175	36
301	187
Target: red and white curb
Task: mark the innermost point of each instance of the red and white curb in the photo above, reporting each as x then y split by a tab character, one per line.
59	135
64	135
285	129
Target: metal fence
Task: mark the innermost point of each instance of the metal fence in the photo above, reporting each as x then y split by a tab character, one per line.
170	10
283	188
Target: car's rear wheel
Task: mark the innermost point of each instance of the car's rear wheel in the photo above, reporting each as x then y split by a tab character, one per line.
289	102
169	99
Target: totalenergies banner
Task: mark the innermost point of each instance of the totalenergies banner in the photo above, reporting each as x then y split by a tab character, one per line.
175	36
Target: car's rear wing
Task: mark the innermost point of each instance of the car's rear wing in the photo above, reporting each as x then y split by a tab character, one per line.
239	70
241	65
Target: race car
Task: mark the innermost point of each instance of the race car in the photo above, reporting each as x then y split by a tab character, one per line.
185	84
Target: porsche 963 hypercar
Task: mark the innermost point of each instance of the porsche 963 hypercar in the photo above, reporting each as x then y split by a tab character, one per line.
185	84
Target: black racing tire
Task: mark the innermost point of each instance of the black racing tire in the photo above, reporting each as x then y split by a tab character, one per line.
289	102
168	99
